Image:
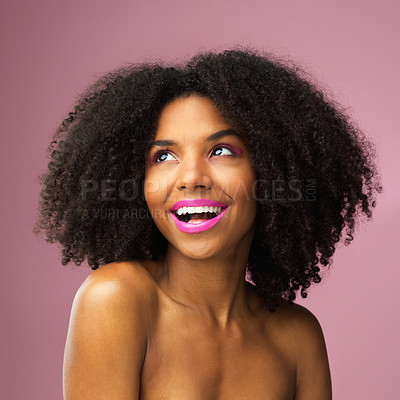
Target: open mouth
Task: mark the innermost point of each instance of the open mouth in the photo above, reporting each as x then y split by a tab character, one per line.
191	216
197	215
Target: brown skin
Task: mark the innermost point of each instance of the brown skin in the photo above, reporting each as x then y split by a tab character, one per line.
188	326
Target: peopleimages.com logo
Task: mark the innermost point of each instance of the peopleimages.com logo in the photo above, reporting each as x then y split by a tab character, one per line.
262	190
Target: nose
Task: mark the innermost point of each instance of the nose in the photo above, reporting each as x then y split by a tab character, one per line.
194	174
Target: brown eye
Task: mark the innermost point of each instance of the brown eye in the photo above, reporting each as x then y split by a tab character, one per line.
222	151
160	156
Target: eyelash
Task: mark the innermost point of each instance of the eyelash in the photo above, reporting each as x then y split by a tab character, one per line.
219	145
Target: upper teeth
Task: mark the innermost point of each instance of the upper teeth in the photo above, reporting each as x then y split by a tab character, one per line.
201	209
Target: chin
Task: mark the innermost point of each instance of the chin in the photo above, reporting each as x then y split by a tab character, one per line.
201	251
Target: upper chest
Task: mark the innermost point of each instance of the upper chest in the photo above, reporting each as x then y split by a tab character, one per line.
186	359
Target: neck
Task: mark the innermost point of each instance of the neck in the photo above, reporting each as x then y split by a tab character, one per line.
214	288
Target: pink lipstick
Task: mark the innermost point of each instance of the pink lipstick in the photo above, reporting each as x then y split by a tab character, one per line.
196	227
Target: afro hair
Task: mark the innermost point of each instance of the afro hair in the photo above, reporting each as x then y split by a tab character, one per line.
315	168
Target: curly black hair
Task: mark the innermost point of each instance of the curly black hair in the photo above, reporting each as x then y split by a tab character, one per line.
315	169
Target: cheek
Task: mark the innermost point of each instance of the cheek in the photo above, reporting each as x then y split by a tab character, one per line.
152	189
242	187
155	191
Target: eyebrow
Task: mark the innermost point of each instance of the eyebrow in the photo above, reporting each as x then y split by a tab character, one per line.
214	136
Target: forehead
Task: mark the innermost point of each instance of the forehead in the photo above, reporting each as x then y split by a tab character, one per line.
189	116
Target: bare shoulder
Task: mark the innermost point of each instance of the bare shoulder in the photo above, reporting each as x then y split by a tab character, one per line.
108	330
122	286
131	278
299	330
294	317
301	335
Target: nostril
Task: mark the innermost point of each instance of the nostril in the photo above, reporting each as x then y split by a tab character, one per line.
195	187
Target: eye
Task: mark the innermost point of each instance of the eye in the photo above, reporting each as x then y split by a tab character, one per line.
161	155
223	150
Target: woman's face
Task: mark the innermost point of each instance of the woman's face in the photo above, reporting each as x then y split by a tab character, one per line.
199	182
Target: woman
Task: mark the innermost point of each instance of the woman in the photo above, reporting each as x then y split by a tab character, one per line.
180	182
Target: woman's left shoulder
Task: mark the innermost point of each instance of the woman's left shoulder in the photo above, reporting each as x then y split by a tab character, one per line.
300	334
298	325
296	316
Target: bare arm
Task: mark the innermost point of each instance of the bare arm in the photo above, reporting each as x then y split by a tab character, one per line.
106	342
313	380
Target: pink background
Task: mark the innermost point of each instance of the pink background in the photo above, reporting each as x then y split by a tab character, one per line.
51	50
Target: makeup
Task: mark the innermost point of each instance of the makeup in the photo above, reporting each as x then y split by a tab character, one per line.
236	151
190	206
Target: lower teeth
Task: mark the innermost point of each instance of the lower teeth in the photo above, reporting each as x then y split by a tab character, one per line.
196	221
